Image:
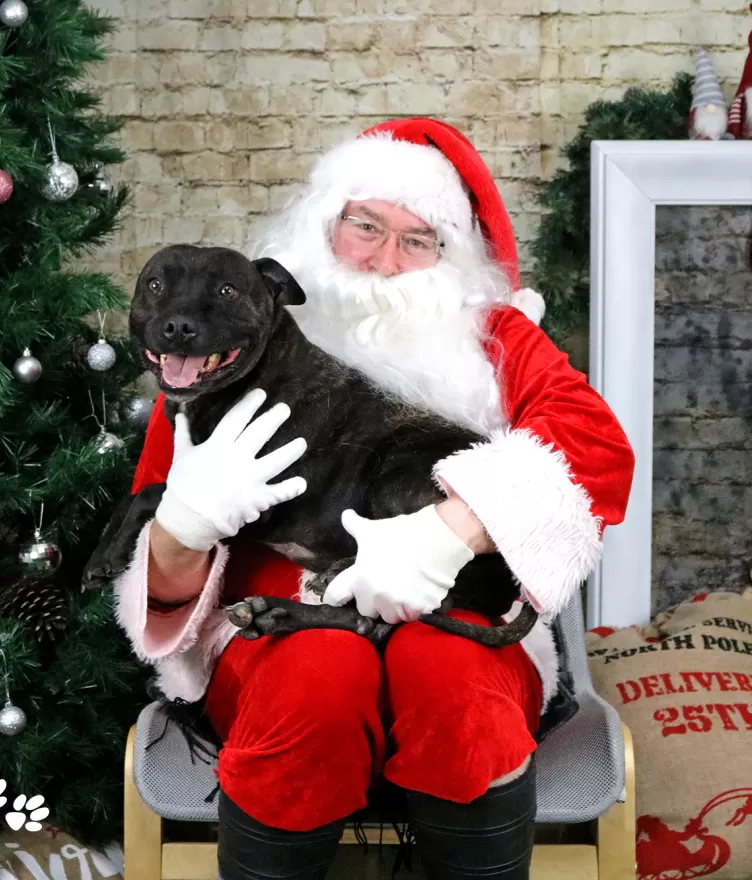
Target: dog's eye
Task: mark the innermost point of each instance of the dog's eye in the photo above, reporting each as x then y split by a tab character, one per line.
154	285
227	290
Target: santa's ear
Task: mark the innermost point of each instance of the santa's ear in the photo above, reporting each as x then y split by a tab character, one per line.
280	283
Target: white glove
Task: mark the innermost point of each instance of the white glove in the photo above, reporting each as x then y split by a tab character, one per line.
405	565
215	488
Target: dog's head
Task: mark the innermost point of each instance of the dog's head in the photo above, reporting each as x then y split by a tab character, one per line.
201	317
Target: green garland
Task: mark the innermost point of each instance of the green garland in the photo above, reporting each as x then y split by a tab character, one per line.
562	249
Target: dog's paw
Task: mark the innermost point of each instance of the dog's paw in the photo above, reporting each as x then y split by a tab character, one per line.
321	581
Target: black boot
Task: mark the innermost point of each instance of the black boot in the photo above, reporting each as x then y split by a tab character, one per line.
490	837
249	850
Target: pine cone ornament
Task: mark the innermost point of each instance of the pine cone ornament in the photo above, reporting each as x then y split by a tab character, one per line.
39	604
78	363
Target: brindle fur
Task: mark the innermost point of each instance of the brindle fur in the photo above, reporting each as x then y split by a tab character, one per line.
366	450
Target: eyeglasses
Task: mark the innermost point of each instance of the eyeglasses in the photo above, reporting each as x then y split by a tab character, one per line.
368	234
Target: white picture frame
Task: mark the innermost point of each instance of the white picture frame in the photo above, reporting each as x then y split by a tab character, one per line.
628	180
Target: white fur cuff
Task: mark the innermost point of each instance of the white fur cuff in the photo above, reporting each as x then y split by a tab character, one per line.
522	492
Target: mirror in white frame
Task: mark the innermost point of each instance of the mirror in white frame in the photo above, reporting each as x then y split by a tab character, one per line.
628	180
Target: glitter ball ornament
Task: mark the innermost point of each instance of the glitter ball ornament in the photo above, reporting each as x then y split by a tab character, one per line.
107	442
138	411
27	368
101	356
6	186
13	13
12	720
39	556
61	183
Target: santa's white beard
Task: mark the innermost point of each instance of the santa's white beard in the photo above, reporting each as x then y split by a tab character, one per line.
415	334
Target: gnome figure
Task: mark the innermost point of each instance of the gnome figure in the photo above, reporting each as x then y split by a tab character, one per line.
708	117
740	112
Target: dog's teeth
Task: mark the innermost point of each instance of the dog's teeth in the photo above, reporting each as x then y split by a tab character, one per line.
163	359
212	362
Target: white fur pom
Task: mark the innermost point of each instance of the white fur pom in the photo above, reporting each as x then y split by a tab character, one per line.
530	303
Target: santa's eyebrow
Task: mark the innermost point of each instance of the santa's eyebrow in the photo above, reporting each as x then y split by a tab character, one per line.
415	230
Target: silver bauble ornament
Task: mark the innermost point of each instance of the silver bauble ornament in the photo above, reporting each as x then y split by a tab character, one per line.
61	183
138	411
107	442
101	356
12	719
27	368
13	13
39	556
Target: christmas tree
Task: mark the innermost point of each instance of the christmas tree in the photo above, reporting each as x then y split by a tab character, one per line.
69	433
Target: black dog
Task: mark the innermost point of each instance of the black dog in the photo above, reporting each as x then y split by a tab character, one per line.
211	325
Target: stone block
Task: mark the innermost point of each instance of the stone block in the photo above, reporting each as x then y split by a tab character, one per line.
178	35
502	30
250	101
220	38
178	137
685	432
350	36
443	33
279	166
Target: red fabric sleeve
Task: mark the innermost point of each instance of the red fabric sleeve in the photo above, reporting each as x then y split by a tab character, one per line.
542	393
156	456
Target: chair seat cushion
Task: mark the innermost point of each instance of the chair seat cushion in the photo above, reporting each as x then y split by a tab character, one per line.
580	768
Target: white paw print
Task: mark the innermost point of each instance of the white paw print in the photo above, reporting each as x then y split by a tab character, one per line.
3	799
35	810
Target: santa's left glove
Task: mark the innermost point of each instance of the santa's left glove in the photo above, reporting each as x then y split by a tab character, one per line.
405	566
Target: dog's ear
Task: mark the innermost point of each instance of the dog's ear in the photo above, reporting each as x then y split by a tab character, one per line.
281	284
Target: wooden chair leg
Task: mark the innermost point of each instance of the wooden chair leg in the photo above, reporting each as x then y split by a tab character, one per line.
617	828
142	831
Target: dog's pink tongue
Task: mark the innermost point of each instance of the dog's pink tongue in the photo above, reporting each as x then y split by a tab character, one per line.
180	370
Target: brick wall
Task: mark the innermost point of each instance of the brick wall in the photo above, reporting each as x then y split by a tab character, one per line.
702	480
227	102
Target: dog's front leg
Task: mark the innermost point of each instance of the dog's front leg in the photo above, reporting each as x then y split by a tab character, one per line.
272	616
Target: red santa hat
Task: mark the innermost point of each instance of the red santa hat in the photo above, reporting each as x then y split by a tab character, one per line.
739	112
432	170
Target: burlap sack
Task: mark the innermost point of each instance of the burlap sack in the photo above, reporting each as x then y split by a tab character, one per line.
684	688
51	854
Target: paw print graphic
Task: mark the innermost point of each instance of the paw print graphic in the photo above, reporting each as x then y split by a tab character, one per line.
3	799
17	819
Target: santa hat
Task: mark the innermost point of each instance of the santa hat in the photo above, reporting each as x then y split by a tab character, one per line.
432	170
737	109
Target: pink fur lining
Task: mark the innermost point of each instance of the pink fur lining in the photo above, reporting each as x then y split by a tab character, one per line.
182	644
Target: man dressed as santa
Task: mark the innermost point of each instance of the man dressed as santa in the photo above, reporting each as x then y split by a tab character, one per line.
405	251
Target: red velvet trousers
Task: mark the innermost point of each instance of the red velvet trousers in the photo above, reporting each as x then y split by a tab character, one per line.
308	719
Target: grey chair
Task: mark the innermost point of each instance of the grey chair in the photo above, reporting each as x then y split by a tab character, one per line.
585	771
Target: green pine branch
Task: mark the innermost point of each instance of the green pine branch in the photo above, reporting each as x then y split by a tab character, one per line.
562	247
82	691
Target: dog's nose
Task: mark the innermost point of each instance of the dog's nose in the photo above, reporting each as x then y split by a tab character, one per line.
179	329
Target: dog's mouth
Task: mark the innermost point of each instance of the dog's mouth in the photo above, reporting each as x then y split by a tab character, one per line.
184	370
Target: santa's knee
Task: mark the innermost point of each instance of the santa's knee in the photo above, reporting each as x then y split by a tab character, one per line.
308	736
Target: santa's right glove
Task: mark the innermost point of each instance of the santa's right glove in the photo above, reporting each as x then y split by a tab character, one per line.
215	488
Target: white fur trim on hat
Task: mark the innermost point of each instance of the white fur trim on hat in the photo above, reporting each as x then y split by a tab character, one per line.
415	176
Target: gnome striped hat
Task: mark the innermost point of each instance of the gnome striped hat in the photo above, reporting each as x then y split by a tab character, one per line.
706	90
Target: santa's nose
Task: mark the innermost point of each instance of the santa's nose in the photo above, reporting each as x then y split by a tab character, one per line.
386	259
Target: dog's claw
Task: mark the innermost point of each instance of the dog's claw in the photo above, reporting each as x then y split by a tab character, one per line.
240	614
